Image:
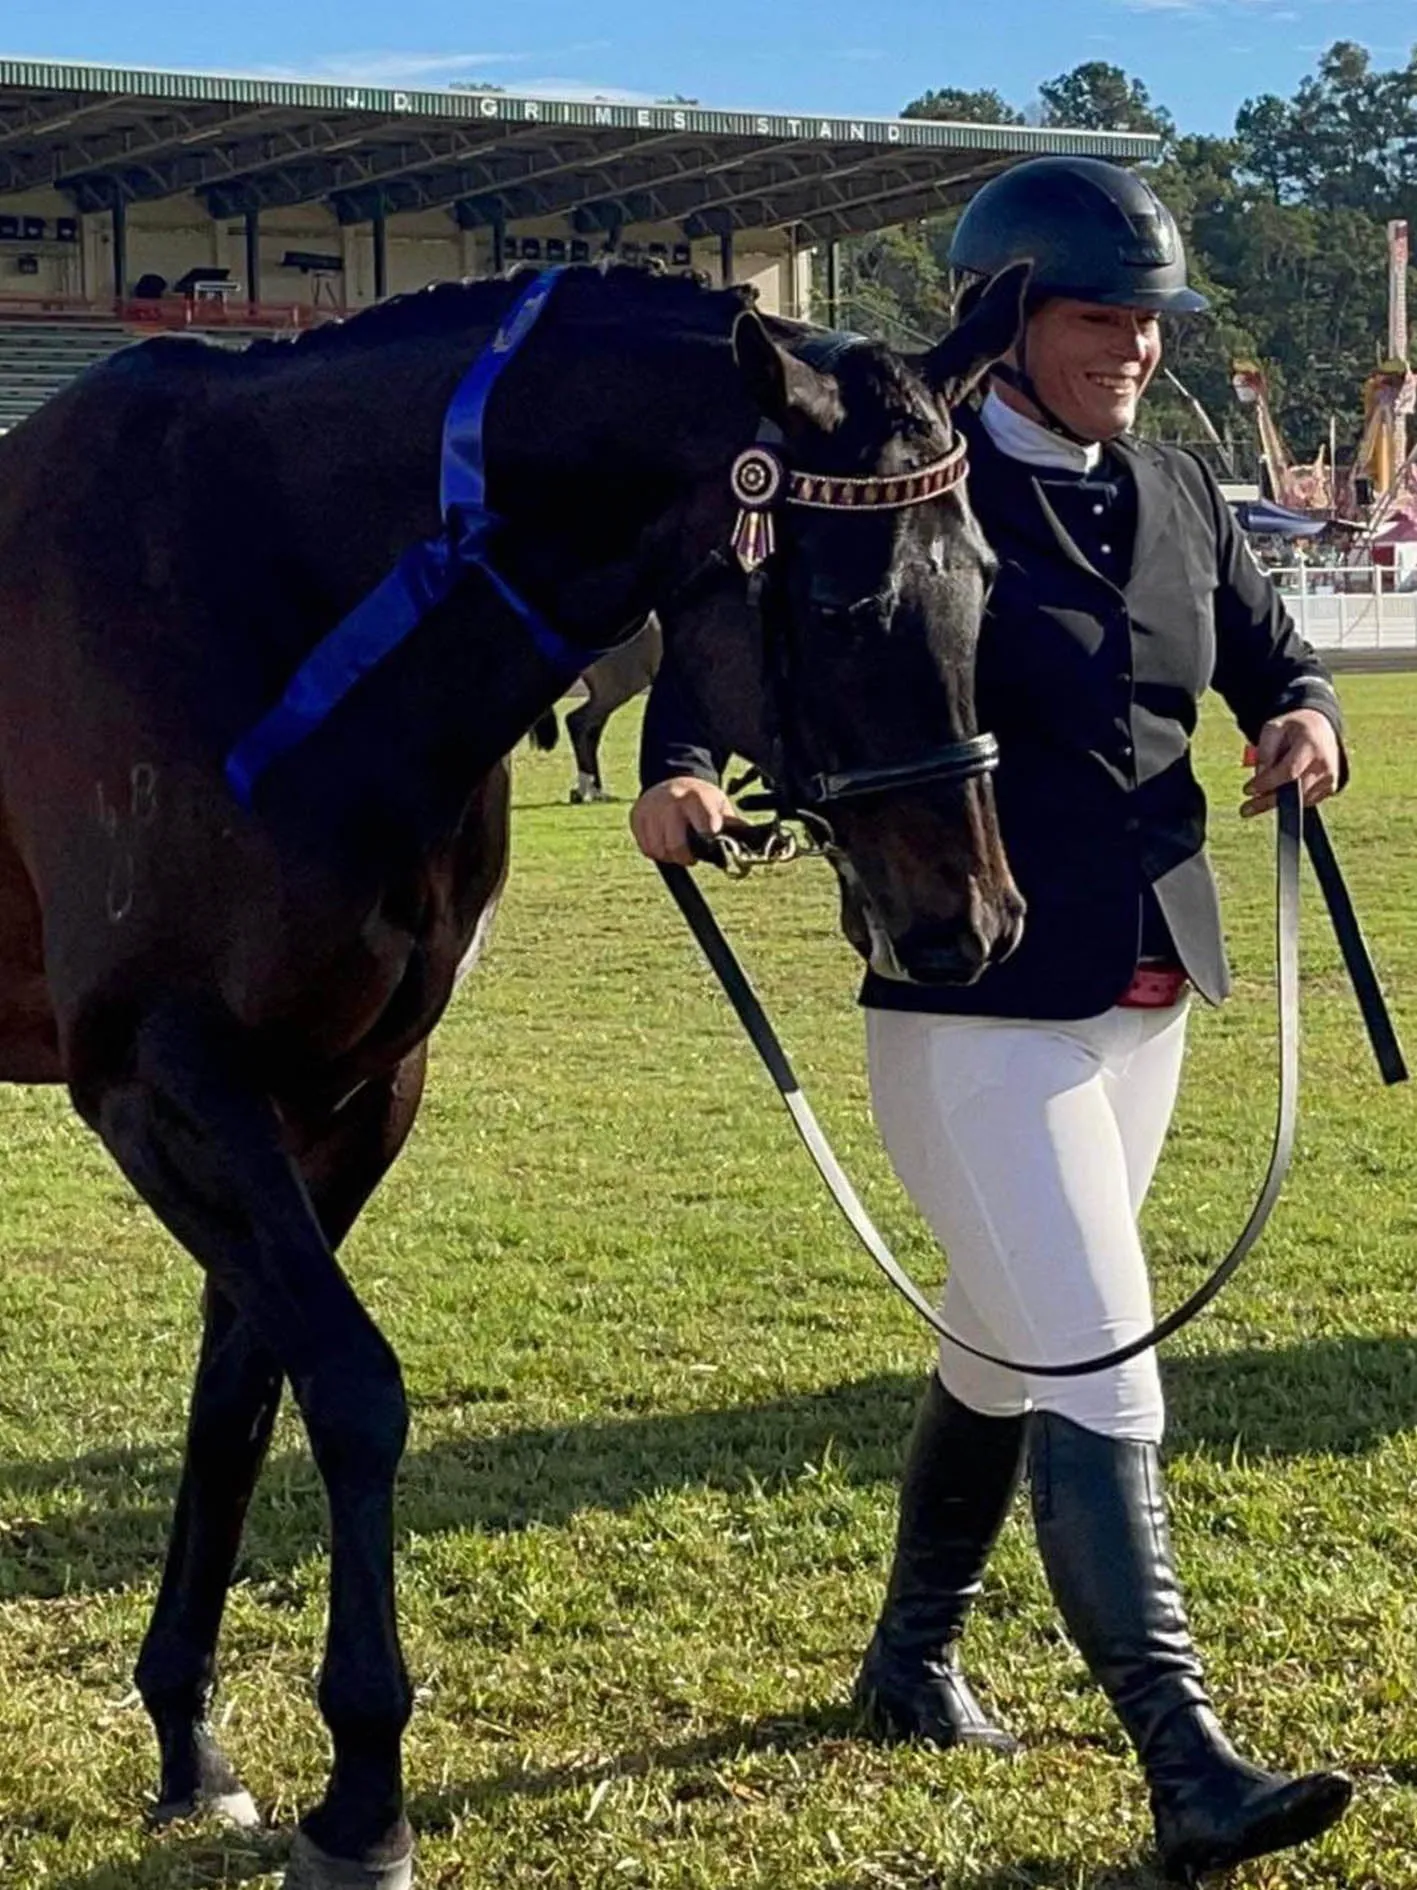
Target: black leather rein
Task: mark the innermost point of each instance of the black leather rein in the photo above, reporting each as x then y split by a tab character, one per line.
1291	822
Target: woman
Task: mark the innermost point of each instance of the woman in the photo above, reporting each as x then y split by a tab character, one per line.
1025	1113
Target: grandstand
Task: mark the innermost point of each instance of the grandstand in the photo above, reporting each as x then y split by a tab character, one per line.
132	200
37	358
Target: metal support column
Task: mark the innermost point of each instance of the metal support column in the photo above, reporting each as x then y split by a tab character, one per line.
253	254
833	284
499	247
725	258
120	243
381	254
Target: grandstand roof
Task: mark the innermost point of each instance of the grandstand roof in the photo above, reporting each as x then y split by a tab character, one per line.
101	132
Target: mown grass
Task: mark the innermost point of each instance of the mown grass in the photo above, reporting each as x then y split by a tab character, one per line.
659	1403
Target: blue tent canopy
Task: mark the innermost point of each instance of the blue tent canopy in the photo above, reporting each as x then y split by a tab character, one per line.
1264	516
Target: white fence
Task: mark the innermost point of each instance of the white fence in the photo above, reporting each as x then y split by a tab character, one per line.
1351	607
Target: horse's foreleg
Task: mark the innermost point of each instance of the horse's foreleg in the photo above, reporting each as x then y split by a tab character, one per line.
205	1150
347	1157
234	1404
584	725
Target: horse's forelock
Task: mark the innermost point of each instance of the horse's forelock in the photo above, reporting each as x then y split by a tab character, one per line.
884	399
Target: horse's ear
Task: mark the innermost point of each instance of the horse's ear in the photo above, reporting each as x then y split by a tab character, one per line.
955	365
782	386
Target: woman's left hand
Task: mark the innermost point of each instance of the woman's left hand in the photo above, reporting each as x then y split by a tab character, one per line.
1301	746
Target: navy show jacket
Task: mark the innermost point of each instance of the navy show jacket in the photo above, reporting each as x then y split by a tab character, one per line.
1092	688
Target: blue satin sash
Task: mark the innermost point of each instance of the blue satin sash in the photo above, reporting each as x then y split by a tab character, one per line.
424	575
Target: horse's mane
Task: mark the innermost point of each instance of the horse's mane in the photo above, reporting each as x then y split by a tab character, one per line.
434	311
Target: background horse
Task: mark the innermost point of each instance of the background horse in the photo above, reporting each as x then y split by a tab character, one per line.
239	1000
615	679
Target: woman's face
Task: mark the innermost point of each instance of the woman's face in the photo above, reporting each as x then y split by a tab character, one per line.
1092	364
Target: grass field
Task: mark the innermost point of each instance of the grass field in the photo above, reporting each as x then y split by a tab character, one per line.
659	1405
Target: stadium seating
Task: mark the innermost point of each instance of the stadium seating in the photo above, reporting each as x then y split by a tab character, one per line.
38	357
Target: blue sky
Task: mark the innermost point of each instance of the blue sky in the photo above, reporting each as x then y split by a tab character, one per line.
1199	57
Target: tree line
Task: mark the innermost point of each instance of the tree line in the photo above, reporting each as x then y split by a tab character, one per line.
1284	222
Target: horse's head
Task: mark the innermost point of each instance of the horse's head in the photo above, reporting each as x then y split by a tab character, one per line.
845	667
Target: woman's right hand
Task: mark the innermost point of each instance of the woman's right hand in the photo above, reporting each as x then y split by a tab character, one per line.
665	815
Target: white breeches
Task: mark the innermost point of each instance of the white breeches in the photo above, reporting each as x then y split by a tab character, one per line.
1029	1146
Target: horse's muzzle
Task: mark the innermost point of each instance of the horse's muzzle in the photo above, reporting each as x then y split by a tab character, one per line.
935	955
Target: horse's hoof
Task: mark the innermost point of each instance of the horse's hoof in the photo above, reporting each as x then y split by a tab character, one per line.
575	797
236	1809
310	1868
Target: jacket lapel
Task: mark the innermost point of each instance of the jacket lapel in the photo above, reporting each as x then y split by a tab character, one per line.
1156	509
1007	489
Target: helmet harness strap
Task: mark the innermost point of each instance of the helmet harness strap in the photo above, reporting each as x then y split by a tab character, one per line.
1023	382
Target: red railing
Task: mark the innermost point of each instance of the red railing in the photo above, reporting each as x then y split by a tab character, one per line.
168	311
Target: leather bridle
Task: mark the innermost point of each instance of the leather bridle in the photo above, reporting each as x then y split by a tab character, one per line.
762	483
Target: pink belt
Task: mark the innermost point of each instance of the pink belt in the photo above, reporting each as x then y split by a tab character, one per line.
1154	988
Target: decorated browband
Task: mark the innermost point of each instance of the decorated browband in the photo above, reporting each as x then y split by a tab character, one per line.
761	481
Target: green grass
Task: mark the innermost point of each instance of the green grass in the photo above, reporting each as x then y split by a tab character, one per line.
659	1404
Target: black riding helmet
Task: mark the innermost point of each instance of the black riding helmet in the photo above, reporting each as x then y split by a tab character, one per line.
1093	231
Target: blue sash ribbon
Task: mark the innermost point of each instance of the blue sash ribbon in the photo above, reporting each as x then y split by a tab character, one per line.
424	575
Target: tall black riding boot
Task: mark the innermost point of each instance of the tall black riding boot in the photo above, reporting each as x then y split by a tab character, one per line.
961	1472
1100	1509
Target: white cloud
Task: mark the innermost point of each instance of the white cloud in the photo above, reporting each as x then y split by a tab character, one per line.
434	70
395	68
586	90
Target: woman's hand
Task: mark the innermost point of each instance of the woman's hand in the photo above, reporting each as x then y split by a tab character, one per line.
665	815
1301	746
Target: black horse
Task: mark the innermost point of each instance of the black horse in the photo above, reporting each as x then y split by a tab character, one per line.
239	1000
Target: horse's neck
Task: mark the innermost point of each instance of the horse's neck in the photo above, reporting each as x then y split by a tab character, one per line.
407	746
354	447
389	774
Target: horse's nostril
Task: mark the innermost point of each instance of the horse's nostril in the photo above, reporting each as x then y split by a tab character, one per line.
943	958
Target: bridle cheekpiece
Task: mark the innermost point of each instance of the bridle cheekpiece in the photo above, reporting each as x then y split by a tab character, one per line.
761	481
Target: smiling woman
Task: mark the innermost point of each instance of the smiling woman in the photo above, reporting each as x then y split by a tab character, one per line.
1091	365
1025	1110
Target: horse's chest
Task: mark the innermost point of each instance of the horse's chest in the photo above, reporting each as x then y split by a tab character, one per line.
476	945
416	973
